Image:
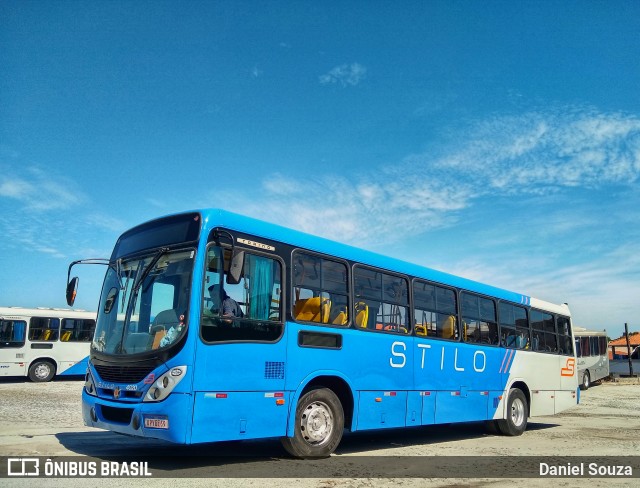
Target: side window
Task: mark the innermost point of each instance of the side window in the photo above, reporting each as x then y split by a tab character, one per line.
381	301
320	288
12	333
514	326
77	330
44	329
479	319
435	311
603	345
246	307
543	332
564	336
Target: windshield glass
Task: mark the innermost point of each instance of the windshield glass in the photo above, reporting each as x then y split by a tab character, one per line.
144	304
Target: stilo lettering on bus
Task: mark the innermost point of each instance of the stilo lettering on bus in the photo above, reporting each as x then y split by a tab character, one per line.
398	358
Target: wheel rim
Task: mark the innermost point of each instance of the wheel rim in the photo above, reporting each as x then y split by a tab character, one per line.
517	412
585	381
316	423
42	371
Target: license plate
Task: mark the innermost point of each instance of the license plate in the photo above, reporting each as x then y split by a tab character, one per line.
156	423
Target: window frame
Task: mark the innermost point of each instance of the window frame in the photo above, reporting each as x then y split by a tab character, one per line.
544	331
75	331
16	344
566	338
256	252
479	318
349	288
414	308
409	305
515	327
42	329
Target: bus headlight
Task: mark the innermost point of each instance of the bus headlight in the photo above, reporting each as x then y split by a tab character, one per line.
165	384
89	385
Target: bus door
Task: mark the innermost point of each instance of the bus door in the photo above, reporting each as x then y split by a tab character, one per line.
240	356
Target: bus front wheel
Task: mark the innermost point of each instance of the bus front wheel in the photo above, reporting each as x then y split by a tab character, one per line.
586	381
41	371
517	413
319	424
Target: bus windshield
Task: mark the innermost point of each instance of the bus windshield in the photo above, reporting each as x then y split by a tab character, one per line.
144	304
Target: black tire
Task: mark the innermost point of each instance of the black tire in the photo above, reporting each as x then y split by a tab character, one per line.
517	414
586	381
319	424
41	371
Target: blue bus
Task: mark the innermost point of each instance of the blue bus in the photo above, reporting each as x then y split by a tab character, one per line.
326	337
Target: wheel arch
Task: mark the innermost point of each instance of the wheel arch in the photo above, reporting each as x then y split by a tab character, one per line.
336	382
522	386
43	359
48	359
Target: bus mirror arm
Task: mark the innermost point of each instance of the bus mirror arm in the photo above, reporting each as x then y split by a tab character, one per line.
72	283
237	260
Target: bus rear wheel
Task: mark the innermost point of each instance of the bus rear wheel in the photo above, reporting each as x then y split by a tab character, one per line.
517	413
319	424
41	371
586	381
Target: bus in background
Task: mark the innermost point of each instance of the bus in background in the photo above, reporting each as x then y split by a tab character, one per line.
44	342
328	337
592	355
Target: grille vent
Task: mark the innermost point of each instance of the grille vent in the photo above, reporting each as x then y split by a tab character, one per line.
123	374
274	370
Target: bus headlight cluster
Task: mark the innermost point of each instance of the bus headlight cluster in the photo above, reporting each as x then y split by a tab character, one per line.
165	384
89	385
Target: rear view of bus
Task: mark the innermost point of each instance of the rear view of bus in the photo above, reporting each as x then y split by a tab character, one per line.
592	356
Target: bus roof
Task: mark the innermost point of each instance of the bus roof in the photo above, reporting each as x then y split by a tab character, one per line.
581	331
21	312
215	217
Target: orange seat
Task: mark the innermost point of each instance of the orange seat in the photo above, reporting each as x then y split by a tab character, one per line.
315	309
362	314
341	319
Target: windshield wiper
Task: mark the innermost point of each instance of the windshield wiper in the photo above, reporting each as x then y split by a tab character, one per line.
147	270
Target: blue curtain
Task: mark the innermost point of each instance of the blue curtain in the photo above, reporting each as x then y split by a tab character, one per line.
18	331
261	272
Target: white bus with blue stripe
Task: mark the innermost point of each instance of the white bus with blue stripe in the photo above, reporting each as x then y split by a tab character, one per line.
44	342
329	338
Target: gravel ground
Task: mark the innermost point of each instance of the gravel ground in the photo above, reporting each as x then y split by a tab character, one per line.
45	420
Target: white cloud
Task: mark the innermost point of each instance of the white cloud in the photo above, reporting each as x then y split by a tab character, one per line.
533	154
39	191
545	150
345	74
15	188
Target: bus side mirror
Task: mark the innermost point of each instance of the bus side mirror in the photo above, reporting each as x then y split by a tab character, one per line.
235	268
72	289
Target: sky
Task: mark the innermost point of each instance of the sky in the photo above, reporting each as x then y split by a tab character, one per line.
496	140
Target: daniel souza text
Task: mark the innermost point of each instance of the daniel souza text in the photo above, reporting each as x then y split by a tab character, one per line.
585	470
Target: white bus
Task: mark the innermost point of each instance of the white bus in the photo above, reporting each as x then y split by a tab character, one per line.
44	342
592	355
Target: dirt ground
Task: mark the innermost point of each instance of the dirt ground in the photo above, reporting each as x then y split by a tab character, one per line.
45	420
